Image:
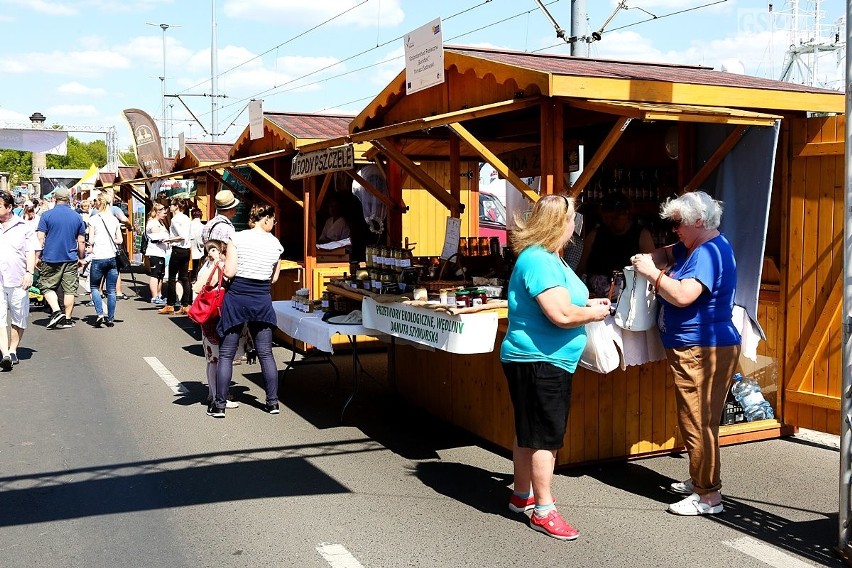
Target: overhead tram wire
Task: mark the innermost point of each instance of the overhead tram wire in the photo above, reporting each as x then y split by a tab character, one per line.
275	89
270	50
646	20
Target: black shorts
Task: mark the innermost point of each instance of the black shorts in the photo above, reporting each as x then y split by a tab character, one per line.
541	397
157	266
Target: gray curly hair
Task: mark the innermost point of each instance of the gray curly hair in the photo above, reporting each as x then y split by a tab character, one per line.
694	206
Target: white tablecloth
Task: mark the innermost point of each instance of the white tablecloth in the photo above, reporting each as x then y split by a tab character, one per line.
311	329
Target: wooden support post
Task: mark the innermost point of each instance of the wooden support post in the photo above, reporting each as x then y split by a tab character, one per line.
603	151
275	183
723	150
552	148
326	183
310	223
432	186
455	178
493	160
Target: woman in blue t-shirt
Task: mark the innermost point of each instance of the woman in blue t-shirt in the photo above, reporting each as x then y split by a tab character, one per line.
696	279
548	307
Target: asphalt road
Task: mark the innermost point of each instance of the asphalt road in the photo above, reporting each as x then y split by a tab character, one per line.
103	465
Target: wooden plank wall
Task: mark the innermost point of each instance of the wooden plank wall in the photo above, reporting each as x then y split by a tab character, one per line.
814	260
425	221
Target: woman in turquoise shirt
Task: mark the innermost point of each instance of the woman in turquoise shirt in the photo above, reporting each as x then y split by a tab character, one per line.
548	308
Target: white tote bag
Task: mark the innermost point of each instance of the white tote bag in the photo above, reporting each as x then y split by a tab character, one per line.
601	354
637	307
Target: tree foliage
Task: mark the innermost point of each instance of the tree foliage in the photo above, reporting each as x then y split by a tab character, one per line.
80	156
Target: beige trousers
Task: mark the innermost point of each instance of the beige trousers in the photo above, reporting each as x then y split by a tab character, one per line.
702	376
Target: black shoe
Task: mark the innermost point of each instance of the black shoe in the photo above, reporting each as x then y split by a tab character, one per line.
215	412
6	363
55	319
100	321
273	408
109	323
121	297
14	357
66	323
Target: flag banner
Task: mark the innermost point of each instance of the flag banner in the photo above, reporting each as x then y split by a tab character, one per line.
34	140
146	142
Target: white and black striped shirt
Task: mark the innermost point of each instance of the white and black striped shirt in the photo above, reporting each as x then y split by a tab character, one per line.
257	254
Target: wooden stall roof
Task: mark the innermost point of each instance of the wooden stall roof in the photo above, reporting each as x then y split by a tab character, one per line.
127	173
202	154
611	80
106	179
290	131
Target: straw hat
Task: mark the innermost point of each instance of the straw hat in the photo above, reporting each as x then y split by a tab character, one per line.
225	200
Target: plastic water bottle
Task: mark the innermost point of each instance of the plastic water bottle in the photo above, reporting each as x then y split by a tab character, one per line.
748	394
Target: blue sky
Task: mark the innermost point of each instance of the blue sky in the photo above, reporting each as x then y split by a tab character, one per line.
80	62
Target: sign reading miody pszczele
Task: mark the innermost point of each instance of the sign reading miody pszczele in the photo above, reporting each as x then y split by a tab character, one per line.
335	159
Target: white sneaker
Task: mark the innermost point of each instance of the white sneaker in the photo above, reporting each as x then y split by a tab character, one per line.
682	487
692	506
232	404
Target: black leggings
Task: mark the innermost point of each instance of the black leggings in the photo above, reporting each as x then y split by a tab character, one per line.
178	264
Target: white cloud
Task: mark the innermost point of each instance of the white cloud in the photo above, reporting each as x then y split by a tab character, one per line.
79	63
48	8
12	117
75	88
304	13
73	114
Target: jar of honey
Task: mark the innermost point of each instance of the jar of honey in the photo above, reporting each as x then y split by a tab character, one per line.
462	299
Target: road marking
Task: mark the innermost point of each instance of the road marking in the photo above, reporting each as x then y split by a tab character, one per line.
765	553
171	381
337	556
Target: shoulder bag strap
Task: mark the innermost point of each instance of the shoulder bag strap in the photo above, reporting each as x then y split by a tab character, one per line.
111	239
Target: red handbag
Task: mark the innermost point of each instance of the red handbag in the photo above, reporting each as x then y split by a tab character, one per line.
208	302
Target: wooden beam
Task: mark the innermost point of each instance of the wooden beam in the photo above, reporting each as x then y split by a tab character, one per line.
376	192
813	399
259	192
713	162
309	222
603	151
828	320
455	177
552	148
493	160
275	183
326	182
819	149
432	186
426	123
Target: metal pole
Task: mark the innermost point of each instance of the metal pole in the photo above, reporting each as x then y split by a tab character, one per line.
579	28
845	400
165	129
214	80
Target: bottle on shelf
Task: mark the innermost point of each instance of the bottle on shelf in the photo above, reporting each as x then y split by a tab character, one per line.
748	394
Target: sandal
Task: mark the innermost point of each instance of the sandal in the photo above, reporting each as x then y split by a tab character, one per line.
692	506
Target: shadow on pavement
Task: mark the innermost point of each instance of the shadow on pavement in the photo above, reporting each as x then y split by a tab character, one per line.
810	539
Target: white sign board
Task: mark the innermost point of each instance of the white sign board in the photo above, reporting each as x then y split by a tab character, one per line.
424	57
324	161
451	238
181	146
462	333
255	120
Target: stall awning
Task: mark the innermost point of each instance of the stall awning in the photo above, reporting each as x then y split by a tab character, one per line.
675	112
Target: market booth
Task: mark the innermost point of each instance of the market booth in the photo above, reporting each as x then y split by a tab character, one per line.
197	184
649	131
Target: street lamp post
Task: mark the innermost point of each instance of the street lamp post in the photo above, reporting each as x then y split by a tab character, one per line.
165	137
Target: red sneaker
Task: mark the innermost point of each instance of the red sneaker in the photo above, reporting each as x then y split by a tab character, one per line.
519	504
553	525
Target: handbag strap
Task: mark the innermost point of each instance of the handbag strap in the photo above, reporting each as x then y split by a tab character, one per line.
114	245
212	272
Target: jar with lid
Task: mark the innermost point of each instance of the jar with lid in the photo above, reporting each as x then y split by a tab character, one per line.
484	249
325	302
369	252
462	299
397	261
406	258
463	246
473	246
478	297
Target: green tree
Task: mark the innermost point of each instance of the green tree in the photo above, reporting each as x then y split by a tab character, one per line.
128	157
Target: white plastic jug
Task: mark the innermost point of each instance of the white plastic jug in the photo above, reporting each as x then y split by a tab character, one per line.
637	307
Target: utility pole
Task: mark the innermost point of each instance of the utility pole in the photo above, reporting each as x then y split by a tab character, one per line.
214	79
164	133
579	28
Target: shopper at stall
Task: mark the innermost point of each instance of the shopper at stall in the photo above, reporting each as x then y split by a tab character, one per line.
609	246
105	236
695	281
548	307
252	264
179	230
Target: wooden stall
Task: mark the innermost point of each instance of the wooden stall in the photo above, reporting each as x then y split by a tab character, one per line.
196	155
525	114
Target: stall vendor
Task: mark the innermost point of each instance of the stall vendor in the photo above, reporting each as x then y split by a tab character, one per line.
609	246
336	227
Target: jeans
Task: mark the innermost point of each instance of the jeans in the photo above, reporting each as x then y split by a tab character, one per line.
101	269
178	270
261	333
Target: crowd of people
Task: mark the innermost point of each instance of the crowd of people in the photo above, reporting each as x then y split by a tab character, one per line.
548	308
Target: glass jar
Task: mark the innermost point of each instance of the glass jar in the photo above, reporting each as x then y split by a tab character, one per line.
484	249
473	246
494	246
325	302
462	246
369	254
462	299
478	297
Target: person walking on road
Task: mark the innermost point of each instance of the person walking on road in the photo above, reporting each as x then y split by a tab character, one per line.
179	230
18	244
548	308
105	237
61	234
695	280
252	264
